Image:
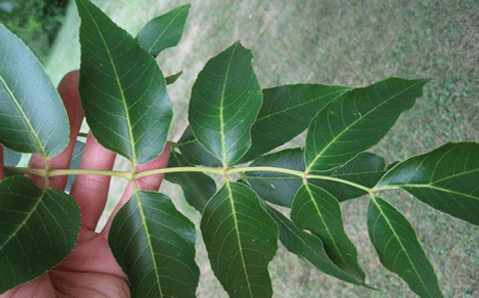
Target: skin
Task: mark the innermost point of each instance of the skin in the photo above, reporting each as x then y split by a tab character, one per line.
90	270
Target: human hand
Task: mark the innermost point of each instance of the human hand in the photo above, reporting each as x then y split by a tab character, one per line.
90	270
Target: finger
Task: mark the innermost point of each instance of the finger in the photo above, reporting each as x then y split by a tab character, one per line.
151	183
40	287
2	173
68	89
91	191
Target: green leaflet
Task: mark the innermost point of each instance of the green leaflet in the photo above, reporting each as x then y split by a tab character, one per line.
357	121
123	91
241	239
225	101
308	247
399	249
171	79
39	228
445	179
286	112
318	211
32	116
155	246
198	188
164	31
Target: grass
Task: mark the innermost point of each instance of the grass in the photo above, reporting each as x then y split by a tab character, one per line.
35	21
342	42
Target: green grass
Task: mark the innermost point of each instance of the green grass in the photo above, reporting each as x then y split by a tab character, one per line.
36	22
343	42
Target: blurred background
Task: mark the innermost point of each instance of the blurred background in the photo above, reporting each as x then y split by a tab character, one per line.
343	42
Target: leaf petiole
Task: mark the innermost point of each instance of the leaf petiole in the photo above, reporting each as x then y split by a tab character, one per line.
217	171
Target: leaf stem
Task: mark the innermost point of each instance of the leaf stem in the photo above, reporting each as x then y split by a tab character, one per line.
217	171
36	172
334	179
121	174
267	169
301	174
386	187
65	172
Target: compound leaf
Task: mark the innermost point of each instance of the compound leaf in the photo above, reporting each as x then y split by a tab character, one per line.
198	188
164	31
225	102
308	247
445	179
316	210
123	91
286	112
241	239
32	116
357	121
399	249
155	246
39	228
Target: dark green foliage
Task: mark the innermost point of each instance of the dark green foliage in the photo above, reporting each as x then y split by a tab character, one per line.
307	246
241	239
444	179
398	248
39	229
225	102
232	121
277	188
122	89
357	121
164	31
161	237
316	210
33	119
198	188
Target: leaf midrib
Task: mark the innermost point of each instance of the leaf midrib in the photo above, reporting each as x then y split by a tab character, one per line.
120	87
148	238
318	211
340	93
430	186
223	92
238	236
24	117
167	26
